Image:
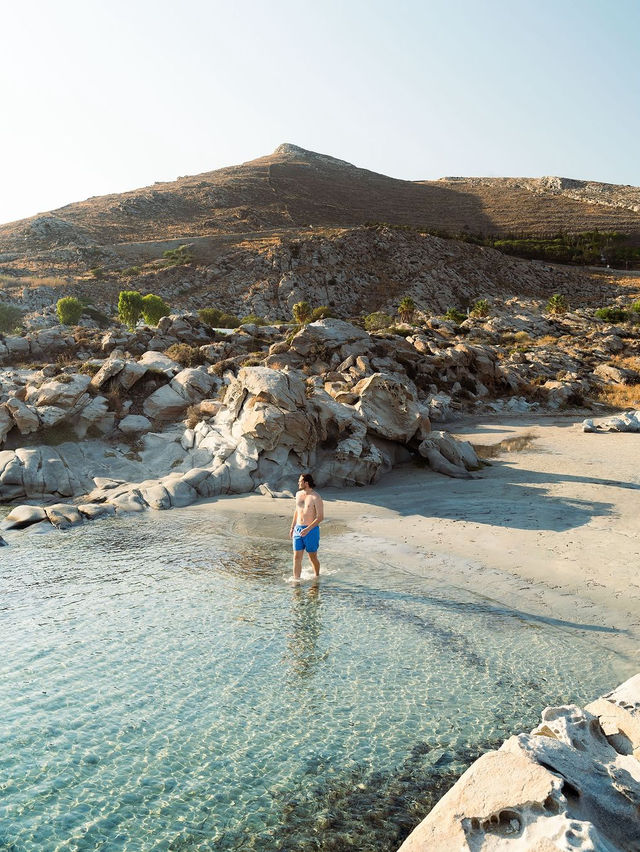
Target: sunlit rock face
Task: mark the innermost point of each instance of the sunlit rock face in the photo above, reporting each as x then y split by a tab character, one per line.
572	783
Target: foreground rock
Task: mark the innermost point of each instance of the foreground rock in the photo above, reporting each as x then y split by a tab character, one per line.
627	422
572	783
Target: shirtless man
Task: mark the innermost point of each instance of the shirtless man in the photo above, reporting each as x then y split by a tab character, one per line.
305	526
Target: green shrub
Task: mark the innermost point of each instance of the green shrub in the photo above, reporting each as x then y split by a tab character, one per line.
612	314
10	317
454	315
557	304
480	309
69	310
323	312
129	307
210	316
377	320
253	319
229	321
178	256
154	308
635	307
302	313
131	271
185	355
406	309
97	272
401	332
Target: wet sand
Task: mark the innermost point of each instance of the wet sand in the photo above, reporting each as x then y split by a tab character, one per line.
549	529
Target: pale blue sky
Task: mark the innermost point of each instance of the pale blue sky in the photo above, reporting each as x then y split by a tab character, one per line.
102	96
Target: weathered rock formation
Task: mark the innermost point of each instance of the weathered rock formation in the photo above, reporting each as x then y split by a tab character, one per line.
572	783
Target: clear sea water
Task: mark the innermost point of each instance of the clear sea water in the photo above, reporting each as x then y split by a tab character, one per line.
163	686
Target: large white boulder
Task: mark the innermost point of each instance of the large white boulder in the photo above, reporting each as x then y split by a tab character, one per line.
389	406
25	416
165	404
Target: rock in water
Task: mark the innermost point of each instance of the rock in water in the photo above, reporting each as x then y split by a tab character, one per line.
3	543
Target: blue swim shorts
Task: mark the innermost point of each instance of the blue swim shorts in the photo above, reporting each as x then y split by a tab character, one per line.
309	542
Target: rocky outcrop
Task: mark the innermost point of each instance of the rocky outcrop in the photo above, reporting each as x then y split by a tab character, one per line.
572	783
627	422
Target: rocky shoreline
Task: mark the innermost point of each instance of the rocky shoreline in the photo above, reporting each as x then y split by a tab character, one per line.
572	783
160	417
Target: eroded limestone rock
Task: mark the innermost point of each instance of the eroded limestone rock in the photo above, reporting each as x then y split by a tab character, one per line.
572	783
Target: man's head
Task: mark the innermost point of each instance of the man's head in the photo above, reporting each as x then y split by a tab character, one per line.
306	481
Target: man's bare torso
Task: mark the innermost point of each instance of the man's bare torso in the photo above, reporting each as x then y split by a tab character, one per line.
306	507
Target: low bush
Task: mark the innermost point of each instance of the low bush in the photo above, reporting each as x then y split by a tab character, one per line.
454	315
129	307
154	308
323	312
480	308
178	256
612	314
131	271
253	319
557	304
377	320
210	316
185	355
228	321
69	310
10	317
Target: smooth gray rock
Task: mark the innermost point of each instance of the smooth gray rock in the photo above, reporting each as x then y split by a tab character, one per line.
24	516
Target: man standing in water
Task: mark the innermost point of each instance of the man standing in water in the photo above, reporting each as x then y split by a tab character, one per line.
305	527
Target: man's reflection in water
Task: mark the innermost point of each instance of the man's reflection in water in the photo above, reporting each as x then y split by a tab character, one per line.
302	641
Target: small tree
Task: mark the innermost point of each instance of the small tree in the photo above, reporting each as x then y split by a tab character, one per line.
406	309
178	256
323	312
10	317
302	313
129	307
557	304
481	308
154	308
69	310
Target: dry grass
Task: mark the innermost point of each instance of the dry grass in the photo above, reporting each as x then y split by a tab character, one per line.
620	396
33	282
627	362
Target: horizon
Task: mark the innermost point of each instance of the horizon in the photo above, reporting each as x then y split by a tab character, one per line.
116	97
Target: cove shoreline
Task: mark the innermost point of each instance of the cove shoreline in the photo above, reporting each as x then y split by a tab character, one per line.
549	529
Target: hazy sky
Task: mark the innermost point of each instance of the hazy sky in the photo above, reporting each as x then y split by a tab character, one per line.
102	96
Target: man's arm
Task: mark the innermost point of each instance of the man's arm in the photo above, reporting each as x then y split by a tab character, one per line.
293	522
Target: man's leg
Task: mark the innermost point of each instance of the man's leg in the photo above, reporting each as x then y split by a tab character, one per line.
297	564
315	562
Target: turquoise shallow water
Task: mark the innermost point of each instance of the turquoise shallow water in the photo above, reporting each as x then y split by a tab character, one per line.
163	687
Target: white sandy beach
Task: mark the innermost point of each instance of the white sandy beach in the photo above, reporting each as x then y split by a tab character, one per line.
550	530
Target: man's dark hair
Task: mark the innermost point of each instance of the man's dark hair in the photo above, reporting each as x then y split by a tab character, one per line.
306	477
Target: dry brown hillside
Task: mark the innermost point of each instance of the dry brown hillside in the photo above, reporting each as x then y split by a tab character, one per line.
287	226
294	188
